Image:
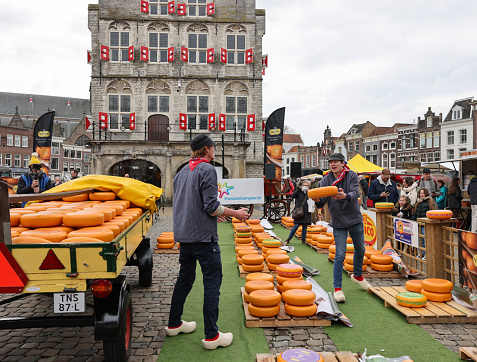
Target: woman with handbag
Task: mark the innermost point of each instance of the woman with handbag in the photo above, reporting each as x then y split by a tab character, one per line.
301	215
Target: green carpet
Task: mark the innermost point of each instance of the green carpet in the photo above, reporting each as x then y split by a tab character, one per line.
390	331
247	341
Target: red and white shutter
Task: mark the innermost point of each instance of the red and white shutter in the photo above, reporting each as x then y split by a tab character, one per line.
221	122
251	122
249	56
104	52
103	120
182	121
265	61
211	9
132	121
144	7
263	71
89	57
181	9
170	54
171	7
131	53
212	122
210	55
223	55
185	54
145	54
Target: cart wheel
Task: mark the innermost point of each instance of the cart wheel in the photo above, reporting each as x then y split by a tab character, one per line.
237	207
275	210
118	350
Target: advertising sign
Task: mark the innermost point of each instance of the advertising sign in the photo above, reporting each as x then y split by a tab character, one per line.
42	134
369	223
406	231
274	140
241	191
467	247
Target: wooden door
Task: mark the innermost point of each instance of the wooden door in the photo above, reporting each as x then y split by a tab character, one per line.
157	128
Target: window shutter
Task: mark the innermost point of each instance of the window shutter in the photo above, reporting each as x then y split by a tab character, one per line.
223	55
144	6
251	122
184	54
211	9
103	120
210	55
212	122
132	121
249	56
263	71
104	52
221	122
89	57
181	9
265	61
131	53
182	121
170	54
145	54
171	6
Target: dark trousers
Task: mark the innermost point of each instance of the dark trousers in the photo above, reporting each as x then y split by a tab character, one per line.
208	256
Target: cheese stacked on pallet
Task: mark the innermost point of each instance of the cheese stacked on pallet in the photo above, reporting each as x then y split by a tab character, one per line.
311	231
324	242
437	290
245	251
298	232
243	235
257	228
369	252
296	284
349	262
264	303
270	244
381	262
287	221
165	240
276	258
410	299
332	252
256	284
288	272
259	276
299	302
252	262
259	237
414	285
300	355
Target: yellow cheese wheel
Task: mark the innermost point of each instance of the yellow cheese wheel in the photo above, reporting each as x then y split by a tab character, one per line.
265	298
257	228
272	266
165	240
136	210
165	245
299	355
246	297
120	224
108	214
259	276
252	259
414	285
14	234
279	288
131	218
241	247
349	267
29	240
439	214
243	252
81	240
252	268
239	260
289	270
325	239
277	258
101	234
102	196
82	197
384	205
296	284
40	221
265	249
112	210
381	259
253	221
298	296
243	241
22	211
301	310
54	236
349	248
368	253
382	267
322	246
270	243
332	249
436	297
19	229
243	229
410	299
263	312
437	285
82	219
322	192
281	280
243	235
118	207
14	219
258	284
276	251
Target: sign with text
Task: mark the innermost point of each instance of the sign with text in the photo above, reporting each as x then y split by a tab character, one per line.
406	231
369	224
241	191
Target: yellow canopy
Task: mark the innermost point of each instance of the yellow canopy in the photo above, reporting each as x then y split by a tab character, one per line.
359	165
139	193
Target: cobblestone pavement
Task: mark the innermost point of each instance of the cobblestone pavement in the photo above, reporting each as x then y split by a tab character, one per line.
151	310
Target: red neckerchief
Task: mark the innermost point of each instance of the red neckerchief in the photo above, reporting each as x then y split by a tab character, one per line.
342	175
193	162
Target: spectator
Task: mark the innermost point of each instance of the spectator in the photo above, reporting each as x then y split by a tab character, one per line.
409	189
383	189
403	208
301	198
455	197
74	173
472	190
429	183
57	181
126	175
423	205
442	198
363	182
35	181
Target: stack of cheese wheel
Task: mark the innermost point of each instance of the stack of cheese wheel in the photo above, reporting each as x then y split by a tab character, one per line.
253	221
257	228
268	244
235	220
287	222
384	205
300	354
349	262
165	240
310	232
288	272
251	262
246	250
324	242
371	251
275	257
243	235
381	262
296	284
437	290
263	300
332	252
299	302
439	214
414	285
259	237
298	232
411	299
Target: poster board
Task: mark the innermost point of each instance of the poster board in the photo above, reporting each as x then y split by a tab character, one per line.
241	191
406	231
369	224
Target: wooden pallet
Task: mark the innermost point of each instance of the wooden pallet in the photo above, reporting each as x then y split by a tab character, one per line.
327	356
281	320
432	312
174	250
468	353
371	273
244	273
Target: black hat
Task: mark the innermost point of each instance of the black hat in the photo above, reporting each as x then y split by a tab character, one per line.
426	170
336	157
200	141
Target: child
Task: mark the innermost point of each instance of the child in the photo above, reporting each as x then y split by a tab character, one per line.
403	208
423	204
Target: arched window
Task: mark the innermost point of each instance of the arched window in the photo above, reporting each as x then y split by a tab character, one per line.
236	106
81	140
158	93
197	43
119	41
198	94
236	44
158	42
119	104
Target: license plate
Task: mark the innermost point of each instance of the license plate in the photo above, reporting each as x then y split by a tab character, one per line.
69	302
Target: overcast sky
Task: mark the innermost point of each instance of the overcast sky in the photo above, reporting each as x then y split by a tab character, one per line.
331	62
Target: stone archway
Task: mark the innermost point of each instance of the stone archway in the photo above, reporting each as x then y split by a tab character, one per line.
141	170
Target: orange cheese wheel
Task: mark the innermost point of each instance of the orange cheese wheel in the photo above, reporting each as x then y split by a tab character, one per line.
257	228
298	296
301	310
349	267
243	229
253	221
279	288
349	258
246	297
239	260
83	219
439	214
165	245
436	297
137	210
323	246
82	197
269	243
272	266
263	312
332	249
437	285
325	239
252	259
289	270
322	192
239	241
112	210
19	229
414	285
14	234
54	236
265	298
101	234
259	276
266	249
118	207
382	267
368	253
15	219
243	252
241	247
131	218
277	258
281	280
125	203
381	259
102	196
40	221
384	205
276	251
331	256
81	240
296	284
165	240
120	225
123	220
108	214
253	268
258	284
410	299
113	227
22	211
29	240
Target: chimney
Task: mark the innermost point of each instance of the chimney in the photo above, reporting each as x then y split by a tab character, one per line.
440	117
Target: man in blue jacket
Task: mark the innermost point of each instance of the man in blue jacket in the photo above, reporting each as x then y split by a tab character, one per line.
196	211
383	189
35	181
345	218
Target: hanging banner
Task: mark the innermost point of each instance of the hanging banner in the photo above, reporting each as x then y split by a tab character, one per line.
369	224
274	141
42	133
406	231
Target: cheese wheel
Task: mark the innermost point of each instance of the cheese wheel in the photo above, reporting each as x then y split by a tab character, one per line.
384	205
113	227
277	258
15	219
437	285
54	236
349	248
259	276
109	209
252	268
298	296
299	355
125	203
121	224
436	297
81	240
165	240
252	259
243	229
332	249
279	288
296	284
102	196
243	240
276	251
266	249
253	221
76	198
320	192
137	210
39	221
270	243
29	240
125	220
19	229
118	207
265	298
130	218
325	239
381	259
368	253
83	219
246	297
349	267
258	284
322	246
241	247
14	234
281	280
108	214
243	252
289	270
439	214
257	228
410	299
331	256
301	310
101	234
22	211
382	267
272	266
263	312
243	235
239	260
414	285
165	245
